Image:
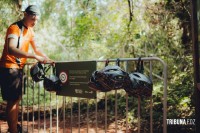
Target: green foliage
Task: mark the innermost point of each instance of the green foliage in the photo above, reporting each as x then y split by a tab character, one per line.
85	30
8	15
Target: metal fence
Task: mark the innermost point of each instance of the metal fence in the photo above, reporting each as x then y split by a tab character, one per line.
35	109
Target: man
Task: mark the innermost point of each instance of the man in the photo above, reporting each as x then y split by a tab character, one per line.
18	37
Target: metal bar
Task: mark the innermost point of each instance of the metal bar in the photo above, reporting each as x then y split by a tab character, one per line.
27	101
165	99
114	60
50	113
57	120
79	115
44	111
115	111
38	108
33	107
64	99
139	114
151	100
127	113
96	109
22	112
126	68
87	115
106	113
121	59
71	115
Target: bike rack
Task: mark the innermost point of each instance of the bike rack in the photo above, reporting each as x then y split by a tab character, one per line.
52	96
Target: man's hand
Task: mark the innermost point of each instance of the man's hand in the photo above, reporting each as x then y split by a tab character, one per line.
40	58
48	60
43	59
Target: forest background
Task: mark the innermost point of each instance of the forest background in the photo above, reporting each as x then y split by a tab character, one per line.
70	30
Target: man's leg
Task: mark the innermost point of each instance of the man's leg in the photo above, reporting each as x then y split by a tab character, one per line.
11	88
12	110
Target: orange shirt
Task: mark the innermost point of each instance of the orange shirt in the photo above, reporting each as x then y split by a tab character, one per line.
9	61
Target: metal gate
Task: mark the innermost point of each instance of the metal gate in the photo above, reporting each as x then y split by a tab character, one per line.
38	122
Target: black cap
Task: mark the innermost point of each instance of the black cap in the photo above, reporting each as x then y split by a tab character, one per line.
32	10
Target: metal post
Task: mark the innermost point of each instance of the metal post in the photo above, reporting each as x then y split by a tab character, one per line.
96	109
64	103
57	120
165	100
106	113
127	113
22	112
33	107
38	108
71	115
79	115
139	114
27	94
50	114
151	102
115	111
126	68
87	115
44	111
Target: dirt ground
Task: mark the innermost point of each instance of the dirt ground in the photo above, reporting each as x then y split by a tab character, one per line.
32	127
70	127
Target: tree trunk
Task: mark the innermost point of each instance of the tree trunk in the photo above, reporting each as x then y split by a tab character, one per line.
196	64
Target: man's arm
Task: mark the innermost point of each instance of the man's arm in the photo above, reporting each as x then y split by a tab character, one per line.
13	50
38	52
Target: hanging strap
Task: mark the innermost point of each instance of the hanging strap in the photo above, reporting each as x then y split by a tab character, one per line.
46	69
54	69
21	28
118	62
140	66
107	62
19	42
